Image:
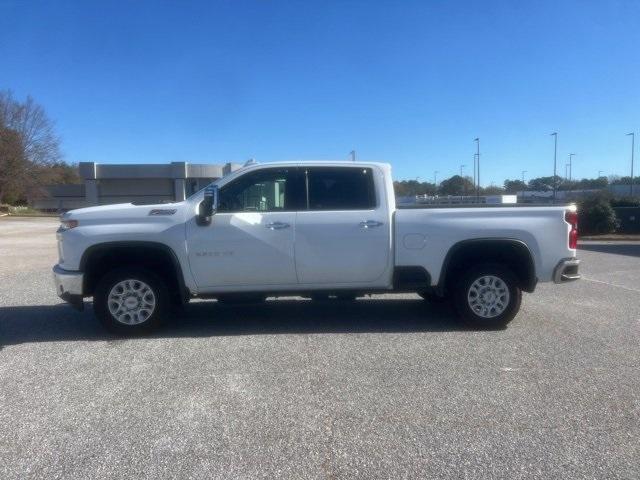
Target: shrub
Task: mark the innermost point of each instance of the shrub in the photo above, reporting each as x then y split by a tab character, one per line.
596	216
625	202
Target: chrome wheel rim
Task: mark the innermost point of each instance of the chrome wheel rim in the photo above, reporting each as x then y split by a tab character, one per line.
488	296
131	302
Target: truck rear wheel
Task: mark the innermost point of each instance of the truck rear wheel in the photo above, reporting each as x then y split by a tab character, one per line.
130	301
487	296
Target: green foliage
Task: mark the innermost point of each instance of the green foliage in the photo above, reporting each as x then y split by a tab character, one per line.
408	188
456	185
492	190
596	216
625	202
514	186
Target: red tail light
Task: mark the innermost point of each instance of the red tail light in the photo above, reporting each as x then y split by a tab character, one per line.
572	219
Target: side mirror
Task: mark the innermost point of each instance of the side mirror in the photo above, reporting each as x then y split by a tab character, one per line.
208	206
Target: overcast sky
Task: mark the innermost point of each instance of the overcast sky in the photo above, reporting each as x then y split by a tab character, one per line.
410	83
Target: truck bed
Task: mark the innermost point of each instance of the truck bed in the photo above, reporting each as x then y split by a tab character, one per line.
424	235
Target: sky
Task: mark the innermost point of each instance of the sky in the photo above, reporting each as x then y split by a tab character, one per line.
409	83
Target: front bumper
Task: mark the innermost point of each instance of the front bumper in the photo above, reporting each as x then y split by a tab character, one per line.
69	286
566	270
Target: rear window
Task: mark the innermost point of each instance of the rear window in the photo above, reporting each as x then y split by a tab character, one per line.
341	189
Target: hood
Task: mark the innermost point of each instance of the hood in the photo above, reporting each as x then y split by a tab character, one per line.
125	212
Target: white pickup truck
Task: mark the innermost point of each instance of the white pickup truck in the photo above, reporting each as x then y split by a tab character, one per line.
324	230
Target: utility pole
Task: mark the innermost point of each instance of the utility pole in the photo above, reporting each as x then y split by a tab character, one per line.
633	141
435	180
477	140
474	171
571	155
555	155
353	155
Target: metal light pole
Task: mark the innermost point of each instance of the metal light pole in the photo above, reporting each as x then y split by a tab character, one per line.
464	185
435	180
474	171
633	141
566	171
353	155
599	173
571	155
523	172
555	155
477	140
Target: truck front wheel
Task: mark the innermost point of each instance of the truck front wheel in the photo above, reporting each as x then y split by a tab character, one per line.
130	301
487	296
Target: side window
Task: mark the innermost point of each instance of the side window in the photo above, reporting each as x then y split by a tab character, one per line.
268	190
341	188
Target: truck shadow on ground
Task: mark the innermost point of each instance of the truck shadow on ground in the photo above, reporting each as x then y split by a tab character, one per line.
617	248
48	323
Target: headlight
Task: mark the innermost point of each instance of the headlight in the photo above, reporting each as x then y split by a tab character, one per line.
67	225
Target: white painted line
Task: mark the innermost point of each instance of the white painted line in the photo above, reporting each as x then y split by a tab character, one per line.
611	284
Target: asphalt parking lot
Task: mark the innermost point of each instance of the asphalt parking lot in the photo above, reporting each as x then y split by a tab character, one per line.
389	387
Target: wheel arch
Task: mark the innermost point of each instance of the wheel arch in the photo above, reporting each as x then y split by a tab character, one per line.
158	257
511	252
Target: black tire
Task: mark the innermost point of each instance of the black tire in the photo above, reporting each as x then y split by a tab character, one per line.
153	318
483	316
432	297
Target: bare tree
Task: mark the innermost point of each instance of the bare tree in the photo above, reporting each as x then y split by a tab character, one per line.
28	145
12	166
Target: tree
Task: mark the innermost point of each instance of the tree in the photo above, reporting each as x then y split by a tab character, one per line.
622	180
29	147
544	183
408	188
596	216
12	164
456	185
514	186
492	190
593	183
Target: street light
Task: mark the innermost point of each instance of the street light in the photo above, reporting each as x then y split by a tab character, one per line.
633	140
555	154
464	185
353	155
477	140
523	172
435	179
599	173
571	155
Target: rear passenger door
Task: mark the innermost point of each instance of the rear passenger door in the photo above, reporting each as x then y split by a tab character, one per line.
343	237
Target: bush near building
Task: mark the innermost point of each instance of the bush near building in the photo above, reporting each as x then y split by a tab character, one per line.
596	216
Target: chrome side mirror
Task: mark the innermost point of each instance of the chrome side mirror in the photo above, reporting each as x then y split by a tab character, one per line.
208	206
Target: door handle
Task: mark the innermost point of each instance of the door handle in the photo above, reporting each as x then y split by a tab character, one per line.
276	225
370	224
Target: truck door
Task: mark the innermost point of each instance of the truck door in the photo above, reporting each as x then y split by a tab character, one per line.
344	235
250	241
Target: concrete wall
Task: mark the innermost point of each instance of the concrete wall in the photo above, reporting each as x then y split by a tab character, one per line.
122	183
